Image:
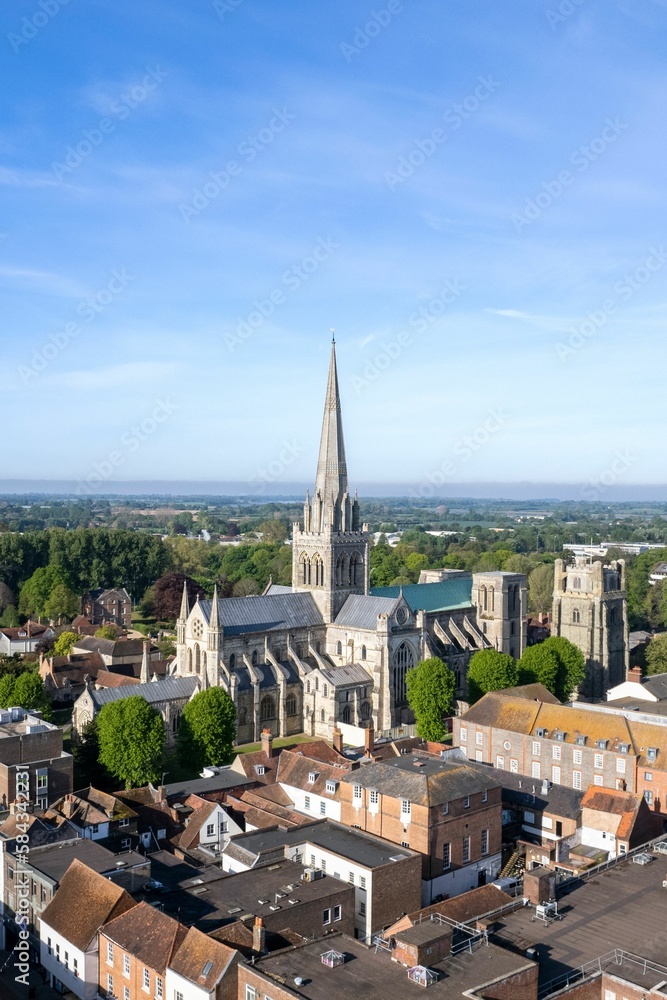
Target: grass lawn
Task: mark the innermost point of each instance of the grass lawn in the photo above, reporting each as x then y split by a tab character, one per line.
283	741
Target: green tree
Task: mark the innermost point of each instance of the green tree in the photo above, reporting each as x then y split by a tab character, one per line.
431	687
490	670
36	591
557	663
207	732
10	617
106	632
517	563
29	693
64	642
6	597
7	683
131	738
541	588
62	603
656	655
87	767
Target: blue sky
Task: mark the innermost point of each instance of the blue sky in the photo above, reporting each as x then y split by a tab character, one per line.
472	194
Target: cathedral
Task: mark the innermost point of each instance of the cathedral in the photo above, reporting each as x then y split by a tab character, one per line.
329	651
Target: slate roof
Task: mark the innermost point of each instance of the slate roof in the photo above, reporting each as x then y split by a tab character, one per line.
268	613
84	901
196	821
556	800
54	860
111	647
166	689
147	934
445	595
350	673
657	685
91	806
361	611
424	780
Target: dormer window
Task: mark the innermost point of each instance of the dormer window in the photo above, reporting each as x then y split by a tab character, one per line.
560	736
580	741
260	769
652	753
541	733
624	748
331	787
601	744
312	777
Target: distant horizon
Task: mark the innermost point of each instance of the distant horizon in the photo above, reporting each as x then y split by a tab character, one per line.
290	491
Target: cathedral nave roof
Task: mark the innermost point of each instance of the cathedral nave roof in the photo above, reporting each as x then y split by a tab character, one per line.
266	613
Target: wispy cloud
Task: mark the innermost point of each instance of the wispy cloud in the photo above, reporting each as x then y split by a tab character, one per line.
42	281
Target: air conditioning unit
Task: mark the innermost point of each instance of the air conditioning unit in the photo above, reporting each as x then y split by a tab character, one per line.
310	874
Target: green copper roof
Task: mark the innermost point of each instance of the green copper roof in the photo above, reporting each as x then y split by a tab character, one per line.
444	596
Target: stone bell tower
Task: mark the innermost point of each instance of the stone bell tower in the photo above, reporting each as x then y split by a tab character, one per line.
330	553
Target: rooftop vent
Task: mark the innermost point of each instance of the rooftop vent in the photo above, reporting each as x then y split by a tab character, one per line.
333	958
205	971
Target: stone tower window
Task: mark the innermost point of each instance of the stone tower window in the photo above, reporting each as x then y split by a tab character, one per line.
576	583
232	661
346	714
339	648
403	660
576	616
254	657
363	652
290	705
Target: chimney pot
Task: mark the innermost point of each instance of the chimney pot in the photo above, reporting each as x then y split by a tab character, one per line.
267	742
259	936
369	741
338	740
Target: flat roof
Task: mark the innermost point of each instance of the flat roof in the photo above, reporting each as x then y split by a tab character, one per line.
217	783
53	861
361	848
376	977
624	907
211	903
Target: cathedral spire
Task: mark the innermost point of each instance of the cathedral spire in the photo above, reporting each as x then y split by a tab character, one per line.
213	623
185	610
331	480
144	675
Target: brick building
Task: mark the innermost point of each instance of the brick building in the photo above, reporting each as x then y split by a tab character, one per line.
143	952
112	607
447	809
30	745
578	745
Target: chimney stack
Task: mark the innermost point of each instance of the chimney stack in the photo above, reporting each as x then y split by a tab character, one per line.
259	936
338	740
635	674
267	742
369	741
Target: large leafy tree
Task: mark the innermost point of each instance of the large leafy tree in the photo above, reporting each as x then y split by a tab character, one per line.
557	663
490	670
541	588
36	591
131	740
431	687
29	693
656	655
207	731
62	603
163	600
6	597
63	644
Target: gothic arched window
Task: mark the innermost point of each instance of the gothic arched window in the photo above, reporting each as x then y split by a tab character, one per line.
576	583
576	616
339	648
267	708
492	598
483	598
612	616
323	717
365	711
346	714
197	659
305	570
189	660
354	575
232	661
363	652
403	661
290	705
254	657
243	715
175	720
